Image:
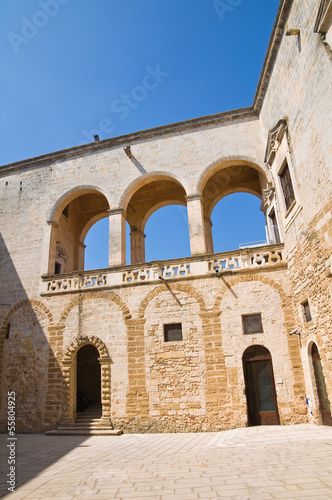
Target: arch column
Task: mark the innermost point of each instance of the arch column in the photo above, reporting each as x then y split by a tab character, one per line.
48	249
117	237
137	245
105	365
196	224
67	416
208	234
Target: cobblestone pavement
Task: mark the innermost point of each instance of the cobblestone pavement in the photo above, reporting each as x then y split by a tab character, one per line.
252	463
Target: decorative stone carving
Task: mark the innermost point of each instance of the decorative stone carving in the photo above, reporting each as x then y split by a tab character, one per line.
274	140
268	196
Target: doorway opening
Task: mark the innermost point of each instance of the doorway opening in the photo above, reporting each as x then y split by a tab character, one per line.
260	387
88	377
324	403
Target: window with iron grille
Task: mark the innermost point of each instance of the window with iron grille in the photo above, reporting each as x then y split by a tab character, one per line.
173	332
252	323
287	186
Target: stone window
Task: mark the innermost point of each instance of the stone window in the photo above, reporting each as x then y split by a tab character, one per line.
287	186
173	332
306	311
252	323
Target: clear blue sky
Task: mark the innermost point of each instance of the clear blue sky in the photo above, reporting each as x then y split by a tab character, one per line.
67	63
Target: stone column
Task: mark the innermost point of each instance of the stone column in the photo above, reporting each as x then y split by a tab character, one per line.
47	253
137	245
67	417
105	365
117	237
196	224
81	252
208	234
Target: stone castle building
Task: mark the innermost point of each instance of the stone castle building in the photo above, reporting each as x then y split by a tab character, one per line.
208	342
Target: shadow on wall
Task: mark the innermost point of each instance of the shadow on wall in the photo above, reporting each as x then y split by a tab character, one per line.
30	373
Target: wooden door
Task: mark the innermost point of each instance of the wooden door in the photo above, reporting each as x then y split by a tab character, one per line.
260	388
324	404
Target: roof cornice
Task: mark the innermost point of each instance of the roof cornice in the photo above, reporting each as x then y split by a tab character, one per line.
133	138
271	53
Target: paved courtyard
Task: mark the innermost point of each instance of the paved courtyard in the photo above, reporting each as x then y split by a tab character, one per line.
253	463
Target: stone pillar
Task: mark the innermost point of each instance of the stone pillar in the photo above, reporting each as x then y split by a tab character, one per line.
196	224
68	402
208	234
81	251
47	253
137	245
117	237
137	396
105	365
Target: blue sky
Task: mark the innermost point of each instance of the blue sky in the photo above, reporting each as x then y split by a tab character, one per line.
67	65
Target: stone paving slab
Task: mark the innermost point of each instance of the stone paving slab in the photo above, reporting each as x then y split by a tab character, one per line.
271	462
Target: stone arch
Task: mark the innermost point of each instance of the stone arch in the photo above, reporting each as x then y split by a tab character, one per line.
69	196
289	322
69	379
228	192
79	342
142	180
157	207
318	382
234	280
40	321
104	295
35	304
225	176
159	289
68	223
141	198
228	161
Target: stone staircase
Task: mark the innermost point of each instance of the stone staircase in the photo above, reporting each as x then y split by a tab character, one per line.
87	424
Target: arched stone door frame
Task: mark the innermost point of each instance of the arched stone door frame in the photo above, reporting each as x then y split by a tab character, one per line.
69	380
321	398
261	393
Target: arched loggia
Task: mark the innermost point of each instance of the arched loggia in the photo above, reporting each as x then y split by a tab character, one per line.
227	178
72	219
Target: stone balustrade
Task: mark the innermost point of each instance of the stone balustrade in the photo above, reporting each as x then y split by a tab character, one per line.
234	261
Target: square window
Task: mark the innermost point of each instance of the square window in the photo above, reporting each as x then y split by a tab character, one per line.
306	311
252	323
287	186
173	332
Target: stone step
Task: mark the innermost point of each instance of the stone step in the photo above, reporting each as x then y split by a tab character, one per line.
74	431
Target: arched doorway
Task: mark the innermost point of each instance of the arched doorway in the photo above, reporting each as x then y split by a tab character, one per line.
88	378
324	403
260	388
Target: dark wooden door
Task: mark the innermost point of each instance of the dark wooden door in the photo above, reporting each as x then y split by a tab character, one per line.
324	404
260	391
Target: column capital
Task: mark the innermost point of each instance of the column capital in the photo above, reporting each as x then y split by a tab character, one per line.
116	211
193	197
